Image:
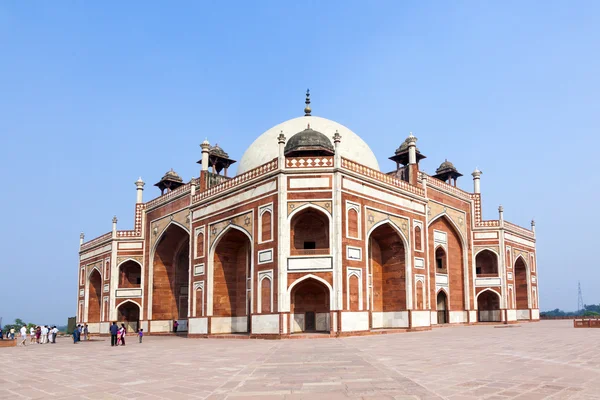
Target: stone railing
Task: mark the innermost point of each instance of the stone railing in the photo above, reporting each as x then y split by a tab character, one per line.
431	181
488	224
309	162
237	180
168	196
380	176
126	234
518	229
94	242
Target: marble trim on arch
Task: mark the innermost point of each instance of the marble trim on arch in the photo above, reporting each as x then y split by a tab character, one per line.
98	265
435	209
139	259
243	221
375	216
294	205
517	252
477	249
158	226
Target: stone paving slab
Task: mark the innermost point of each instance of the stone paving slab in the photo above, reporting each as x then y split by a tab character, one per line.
545	360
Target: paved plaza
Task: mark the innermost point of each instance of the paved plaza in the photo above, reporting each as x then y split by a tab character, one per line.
549	359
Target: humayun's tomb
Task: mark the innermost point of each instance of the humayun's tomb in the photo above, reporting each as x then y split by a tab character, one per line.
309	236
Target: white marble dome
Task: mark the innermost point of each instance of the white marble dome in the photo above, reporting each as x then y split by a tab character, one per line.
265	147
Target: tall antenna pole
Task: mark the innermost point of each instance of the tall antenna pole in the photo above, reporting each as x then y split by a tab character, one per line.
580	305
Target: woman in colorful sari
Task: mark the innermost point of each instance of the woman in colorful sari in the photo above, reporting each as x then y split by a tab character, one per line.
122	333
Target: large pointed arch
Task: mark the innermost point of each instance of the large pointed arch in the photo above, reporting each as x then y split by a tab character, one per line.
385	299
165	258
463	240
522	282
211	266
94	296
467	290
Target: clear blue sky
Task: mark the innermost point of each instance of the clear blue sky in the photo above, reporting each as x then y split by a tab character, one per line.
93	95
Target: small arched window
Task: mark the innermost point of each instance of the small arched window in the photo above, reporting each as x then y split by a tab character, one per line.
265	296
200	245
486	263
309	233
440	260
265	224
352	223
418	239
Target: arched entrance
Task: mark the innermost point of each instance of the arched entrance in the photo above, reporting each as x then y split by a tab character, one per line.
231	273
94	296
130	275
170	279
309	233
486	264
488	307
387	256
446	248
309	306
128	313
442	307
521	289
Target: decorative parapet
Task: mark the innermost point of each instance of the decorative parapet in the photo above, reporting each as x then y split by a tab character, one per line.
494	223
518	230
308	162
180	191
380	176
446	187
137	231
94	242
237	180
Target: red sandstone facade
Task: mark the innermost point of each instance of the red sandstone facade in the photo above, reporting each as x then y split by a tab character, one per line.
309	241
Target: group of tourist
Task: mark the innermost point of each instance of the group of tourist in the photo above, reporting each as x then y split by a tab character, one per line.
80	330
37	335
117	334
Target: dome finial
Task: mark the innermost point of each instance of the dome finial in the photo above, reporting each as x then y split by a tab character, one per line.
307	109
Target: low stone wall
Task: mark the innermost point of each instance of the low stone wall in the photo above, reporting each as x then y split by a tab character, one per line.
8	343
586	323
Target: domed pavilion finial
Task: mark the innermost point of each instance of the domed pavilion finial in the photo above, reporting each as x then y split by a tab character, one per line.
307	109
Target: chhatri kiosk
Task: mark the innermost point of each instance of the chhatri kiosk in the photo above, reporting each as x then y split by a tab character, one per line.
309	236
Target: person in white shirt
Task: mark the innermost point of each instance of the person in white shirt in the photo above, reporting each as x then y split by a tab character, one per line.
31	335
50	334
44	334
54	333
23	336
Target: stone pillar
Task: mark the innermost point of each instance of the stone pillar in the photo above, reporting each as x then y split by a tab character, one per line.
337	158
476	181
193	187
281	155
412	149
81	237
205	149
412	159
533	226
139	190
338	279
501	215
114	227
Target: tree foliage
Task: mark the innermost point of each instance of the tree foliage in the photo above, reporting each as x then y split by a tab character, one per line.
587	311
